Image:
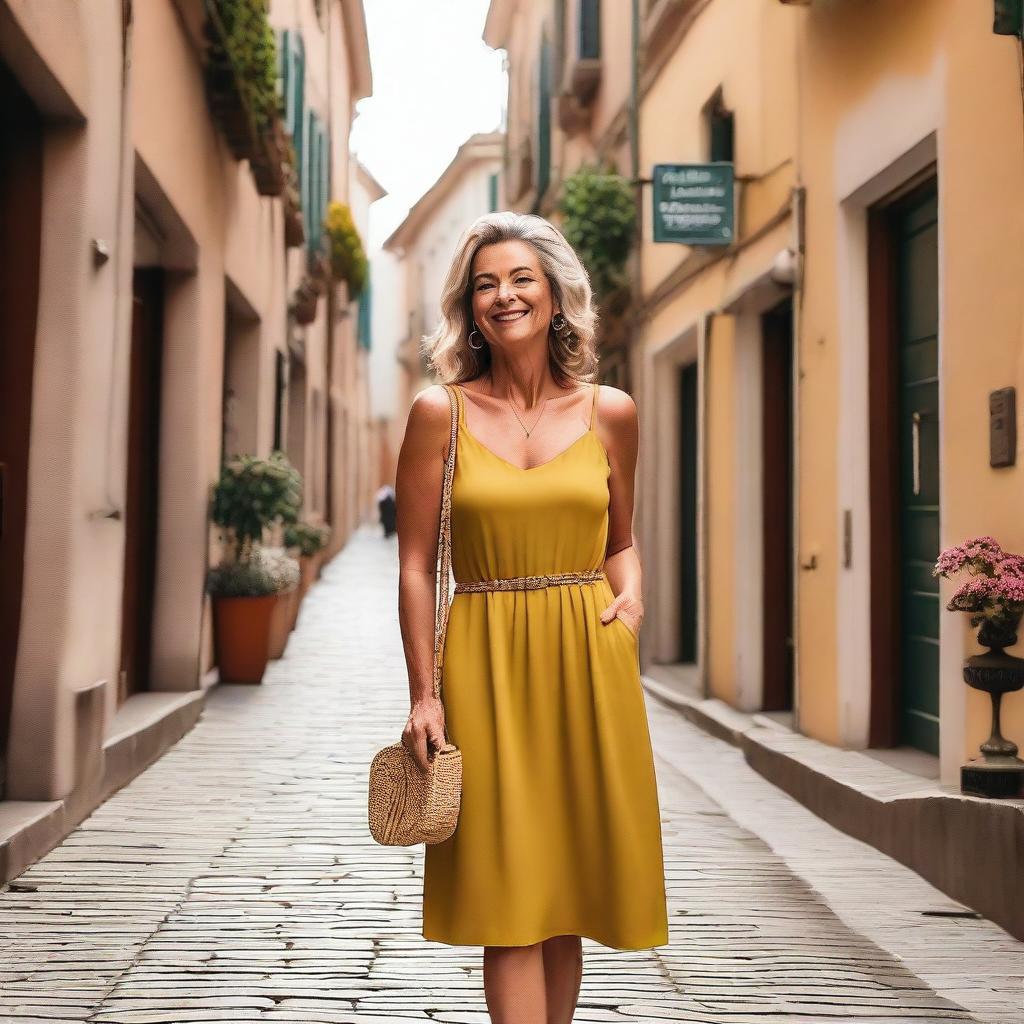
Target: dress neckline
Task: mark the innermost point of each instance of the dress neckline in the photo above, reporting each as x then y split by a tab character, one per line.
590	431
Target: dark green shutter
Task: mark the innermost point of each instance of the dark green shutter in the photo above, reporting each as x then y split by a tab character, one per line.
590	29
544	120
492	193
296	98
325	169
306	178
365	314
1008	17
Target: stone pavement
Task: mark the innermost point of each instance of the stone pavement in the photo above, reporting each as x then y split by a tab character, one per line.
235	879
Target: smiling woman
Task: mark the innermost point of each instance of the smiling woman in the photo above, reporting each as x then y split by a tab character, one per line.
558	833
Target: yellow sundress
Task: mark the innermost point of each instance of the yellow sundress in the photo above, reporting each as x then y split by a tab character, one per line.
559	829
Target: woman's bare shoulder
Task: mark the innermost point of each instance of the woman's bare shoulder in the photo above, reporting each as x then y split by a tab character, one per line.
616	409
429	419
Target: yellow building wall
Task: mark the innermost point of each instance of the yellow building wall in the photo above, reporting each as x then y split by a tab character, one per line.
852	54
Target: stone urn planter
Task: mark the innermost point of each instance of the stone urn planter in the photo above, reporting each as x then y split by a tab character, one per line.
993	595
999	772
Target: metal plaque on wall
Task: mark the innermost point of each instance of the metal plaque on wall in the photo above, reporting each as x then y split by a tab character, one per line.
693	203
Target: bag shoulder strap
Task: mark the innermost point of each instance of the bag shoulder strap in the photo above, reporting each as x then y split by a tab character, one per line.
444	545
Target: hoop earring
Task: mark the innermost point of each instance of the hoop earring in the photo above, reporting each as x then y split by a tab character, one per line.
559	323
471	333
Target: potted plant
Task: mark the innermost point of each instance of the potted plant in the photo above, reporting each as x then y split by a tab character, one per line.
308	539
240	72
347	257
250	495
284	571
318	270
304	301
993	596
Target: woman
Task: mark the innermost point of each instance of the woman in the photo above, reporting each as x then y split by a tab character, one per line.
559	832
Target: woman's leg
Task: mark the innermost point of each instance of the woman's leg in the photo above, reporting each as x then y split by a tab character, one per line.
563	973
514	984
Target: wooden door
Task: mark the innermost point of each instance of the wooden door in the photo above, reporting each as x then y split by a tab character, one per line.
915	228
904	450
21	175
688	469
777	507
142	480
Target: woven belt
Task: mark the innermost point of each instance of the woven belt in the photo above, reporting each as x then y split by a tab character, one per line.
529	582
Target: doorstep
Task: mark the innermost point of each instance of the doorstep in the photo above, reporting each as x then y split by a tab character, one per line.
144	727
966	846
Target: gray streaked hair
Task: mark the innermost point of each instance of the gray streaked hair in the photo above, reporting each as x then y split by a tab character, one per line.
572	354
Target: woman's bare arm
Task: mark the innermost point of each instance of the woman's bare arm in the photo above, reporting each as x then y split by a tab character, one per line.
620	431
418	482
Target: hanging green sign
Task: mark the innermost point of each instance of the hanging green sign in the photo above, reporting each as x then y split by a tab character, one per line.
693	203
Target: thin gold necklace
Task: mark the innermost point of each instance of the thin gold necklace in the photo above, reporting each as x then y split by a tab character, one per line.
508	398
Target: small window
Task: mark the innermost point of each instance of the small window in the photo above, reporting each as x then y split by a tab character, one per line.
720	131
590	30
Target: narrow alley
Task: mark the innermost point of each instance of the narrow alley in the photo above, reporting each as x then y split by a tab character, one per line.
235	879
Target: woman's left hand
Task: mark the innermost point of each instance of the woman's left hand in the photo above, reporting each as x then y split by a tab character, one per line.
628	608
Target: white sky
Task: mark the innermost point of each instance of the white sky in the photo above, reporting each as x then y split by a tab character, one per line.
435	83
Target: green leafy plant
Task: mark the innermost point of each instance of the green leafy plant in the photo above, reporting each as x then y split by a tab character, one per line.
347	256
599	222
246	43
307	537
252	494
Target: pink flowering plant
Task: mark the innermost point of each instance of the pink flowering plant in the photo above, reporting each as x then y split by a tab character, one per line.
993	593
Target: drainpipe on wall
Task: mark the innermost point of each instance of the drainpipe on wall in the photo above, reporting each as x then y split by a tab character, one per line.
634	156
798	199
114	497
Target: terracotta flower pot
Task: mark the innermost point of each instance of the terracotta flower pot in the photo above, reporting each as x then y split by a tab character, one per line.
241	637
307	566
280	623
294	604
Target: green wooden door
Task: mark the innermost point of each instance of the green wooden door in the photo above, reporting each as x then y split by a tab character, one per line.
688	470
917	294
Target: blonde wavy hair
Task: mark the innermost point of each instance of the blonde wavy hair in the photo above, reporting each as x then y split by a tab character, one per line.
572	352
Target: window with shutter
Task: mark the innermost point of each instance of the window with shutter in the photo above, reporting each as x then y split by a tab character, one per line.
544	121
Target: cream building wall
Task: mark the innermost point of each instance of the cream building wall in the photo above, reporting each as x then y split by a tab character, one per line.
424	244
134	166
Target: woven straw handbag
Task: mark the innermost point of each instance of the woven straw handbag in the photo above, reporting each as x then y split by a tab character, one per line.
406	804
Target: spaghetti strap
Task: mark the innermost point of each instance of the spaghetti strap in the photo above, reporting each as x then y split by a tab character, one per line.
593	405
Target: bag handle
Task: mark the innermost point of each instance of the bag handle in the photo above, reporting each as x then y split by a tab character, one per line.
444	546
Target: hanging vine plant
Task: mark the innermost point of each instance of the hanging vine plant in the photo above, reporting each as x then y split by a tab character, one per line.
599	221
241	85
347	256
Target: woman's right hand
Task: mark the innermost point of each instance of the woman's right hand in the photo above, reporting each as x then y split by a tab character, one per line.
424	728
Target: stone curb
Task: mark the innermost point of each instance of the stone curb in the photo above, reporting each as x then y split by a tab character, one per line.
968	847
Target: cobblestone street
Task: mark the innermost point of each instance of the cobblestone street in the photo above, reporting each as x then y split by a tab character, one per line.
235	879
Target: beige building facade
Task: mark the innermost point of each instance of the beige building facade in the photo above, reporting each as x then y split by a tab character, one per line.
152	332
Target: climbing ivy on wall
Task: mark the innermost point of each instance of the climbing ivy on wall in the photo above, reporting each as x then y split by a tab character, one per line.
599	221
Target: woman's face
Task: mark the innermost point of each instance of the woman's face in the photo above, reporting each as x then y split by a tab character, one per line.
512	299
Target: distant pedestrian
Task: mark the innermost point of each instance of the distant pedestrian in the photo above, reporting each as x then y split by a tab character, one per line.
559	828
387	507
